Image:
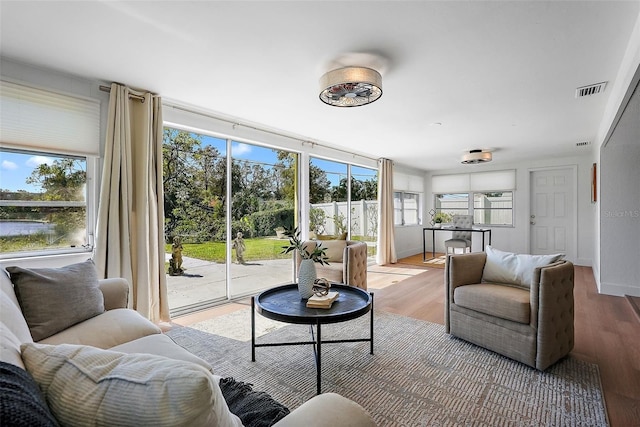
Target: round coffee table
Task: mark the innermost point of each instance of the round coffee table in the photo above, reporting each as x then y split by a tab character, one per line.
283	303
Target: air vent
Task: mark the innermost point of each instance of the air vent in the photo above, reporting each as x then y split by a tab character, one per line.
583	143
590	90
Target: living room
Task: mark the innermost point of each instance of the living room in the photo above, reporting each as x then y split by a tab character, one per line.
444	118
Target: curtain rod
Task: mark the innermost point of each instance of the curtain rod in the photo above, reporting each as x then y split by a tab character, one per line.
131	95
236	123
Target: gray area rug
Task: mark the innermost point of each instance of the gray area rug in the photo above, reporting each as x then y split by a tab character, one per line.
418	376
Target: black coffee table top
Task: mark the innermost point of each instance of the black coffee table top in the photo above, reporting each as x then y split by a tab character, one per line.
283	303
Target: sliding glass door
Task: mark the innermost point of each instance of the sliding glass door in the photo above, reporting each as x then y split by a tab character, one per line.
226	204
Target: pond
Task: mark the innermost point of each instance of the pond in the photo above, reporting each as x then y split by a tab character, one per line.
24	228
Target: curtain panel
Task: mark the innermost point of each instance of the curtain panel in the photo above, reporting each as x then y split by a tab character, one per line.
386	231
130	233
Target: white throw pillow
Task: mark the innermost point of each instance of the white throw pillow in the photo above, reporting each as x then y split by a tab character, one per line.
88	386
507	267
335	249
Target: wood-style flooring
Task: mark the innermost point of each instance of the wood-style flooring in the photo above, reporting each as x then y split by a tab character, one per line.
607	331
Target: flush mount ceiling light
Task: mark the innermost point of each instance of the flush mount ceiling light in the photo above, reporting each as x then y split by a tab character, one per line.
476	156
350	87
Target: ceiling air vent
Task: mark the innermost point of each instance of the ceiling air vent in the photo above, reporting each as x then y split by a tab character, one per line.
590	90
583	143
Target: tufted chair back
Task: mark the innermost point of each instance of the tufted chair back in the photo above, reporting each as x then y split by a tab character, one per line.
462	221
347	261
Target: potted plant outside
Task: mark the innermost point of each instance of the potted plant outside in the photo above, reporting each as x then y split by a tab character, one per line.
440	218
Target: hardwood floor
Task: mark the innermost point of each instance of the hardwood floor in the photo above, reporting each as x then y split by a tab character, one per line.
607	331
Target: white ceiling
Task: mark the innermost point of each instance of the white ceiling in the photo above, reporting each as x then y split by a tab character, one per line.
496	75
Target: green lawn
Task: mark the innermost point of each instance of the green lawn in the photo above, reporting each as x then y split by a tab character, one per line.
260	248
257	249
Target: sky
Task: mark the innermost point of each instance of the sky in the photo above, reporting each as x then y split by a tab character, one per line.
15	168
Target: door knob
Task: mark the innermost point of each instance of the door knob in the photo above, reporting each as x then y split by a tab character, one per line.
532	223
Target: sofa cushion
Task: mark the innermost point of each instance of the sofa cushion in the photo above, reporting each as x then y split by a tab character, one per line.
505	302
13	328
52	299
160	345
332	272
335	249
511	268
106	330
112	388
21	402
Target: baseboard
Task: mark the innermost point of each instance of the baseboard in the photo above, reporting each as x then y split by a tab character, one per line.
619	290
635	305
584	262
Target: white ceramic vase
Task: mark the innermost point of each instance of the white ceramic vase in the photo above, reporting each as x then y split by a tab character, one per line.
306	278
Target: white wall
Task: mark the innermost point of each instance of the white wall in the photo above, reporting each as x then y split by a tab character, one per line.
620	205
516	238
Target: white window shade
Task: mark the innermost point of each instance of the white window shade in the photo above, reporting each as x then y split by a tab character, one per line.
37	118
493	180
406	182
443	184
479	181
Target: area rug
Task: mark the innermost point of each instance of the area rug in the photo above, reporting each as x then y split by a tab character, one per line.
418	376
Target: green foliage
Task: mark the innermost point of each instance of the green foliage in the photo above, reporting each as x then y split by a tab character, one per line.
442	217
318	255
265	221
317	220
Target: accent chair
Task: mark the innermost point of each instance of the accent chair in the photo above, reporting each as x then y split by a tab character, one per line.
526	316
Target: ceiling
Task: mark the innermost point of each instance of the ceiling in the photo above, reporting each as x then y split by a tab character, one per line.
457	75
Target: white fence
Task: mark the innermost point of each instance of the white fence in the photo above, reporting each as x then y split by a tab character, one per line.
364	218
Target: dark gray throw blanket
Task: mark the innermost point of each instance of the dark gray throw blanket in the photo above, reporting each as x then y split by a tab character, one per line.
21	402
254	408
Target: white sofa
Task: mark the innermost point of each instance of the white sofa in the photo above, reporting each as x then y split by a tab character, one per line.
123	335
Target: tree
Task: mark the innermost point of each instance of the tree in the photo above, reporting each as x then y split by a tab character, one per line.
62	180
319	184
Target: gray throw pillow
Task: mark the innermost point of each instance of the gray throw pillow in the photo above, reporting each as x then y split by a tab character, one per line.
53	299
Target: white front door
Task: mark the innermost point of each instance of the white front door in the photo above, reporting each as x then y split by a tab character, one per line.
553	212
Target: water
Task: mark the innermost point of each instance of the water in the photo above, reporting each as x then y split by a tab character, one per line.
24	228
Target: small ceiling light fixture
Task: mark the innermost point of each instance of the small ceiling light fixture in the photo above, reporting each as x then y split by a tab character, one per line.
350	87
476	156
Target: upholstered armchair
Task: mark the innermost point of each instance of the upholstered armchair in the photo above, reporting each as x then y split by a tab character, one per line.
529	319
347	261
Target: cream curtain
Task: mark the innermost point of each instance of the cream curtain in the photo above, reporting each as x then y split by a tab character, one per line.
386	243
130	235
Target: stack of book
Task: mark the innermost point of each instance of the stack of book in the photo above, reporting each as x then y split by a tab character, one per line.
324	301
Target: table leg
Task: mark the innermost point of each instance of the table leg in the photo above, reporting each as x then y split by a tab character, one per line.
371	323
318	357
253	329
433	243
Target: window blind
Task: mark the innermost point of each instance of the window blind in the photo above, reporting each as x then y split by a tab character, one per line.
407	182
479	181
37	118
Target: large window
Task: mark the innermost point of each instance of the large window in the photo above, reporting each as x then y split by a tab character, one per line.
43	203
406	208
487	208
343	201
488	196
225	202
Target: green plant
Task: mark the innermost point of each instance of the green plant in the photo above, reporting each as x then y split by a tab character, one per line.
318	254
441	217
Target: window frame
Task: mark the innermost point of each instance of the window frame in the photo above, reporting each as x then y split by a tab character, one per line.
403	209
90	203
471	206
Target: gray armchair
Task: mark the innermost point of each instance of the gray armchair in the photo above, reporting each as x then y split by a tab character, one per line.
531	324
347	261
